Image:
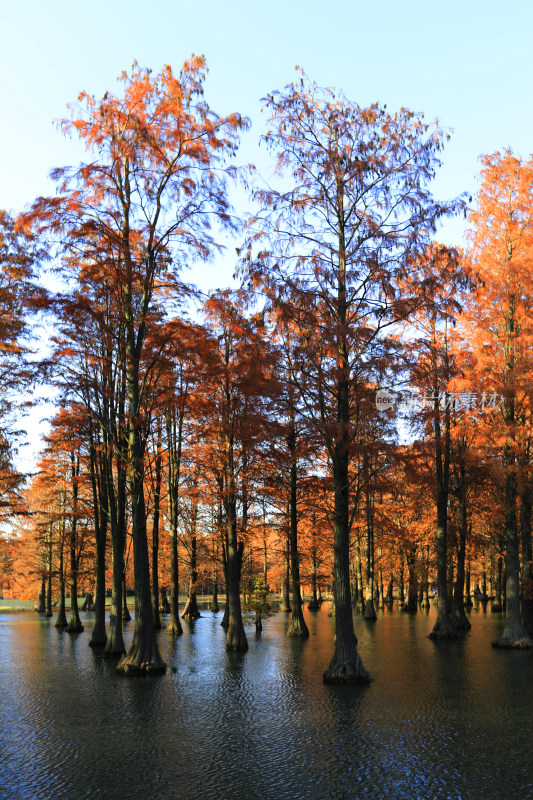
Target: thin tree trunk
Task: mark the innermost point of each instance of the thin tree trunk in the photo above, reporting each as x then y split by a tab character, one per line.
370	611
314	603
155	533
74	625
49	577
285	585
514	634
100	515
297	624
460	620
174	445
191	611
61	621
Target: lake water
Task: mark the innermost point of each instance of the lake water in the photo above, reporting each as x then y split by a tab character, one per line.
439	720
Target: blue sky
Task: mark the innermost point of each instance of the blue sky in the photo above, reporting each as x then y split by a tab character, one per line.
469	64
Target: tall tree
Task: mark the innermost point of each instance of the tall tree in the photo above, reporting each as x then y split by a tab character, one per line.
149	198
341	235
500	324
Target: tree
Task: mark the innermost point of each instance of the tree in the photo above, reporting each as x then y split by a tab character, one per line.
148	200
341	241
499	320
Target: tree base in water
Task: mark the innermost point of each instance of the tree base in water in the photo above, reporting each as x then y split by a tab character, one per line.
98	640
351	671
443	629
313	605
297	627
191	610
370	610
236	637
131	668
460	620
520	644
174	626
75	627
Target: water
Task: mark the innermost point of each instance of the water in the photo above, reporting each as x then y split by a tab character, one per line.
439	720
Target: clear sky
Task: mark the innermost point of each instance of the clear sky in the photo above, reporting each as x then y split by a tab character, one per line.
468	63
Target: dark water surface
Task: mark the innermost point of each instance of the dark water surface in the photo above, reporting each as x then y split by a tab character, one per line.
439	720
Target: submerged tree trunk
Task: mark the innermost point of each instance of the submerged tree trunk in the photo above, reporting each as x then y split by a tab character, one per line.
497	604
100	514
213	606
425	587
401	582
360	601
527	560
224	544
381	598
285	585
126	616
443	628
314	602
40	605
143	656
191	611
468	587
61	621
74	625
370	611
155	534
49	575
235	635
411	607
346	666
389	597
514	634
460	620
297	624
114	646
174	444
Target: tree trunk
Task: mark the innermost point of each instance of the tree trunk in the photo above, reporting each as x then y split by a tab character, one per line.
460	620
191	611
514	634
497	606
213	605
100	515
155	534
360	604
370	611
285	586
174	445
74	625
49	576
313	604
143	656
114	646
389	597
401	585
411	607
235	635
346	666
297	624
61	621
